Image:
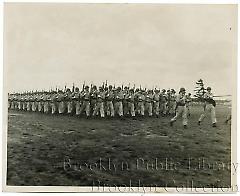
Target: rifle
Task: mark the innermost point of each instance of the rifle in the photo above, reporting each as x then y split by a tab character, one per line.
106	84
103	85
91	87
73	88
83	86
122	86
140	87
65	87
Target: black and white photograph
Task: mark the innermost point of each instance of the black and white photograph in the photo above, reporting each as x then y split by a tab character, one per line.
122	97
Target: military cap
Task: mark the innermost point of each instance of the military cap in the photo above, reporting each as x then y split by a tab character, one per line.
182	89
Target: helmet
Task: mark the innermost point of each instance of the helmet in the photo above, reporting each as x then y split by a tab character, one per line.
182	89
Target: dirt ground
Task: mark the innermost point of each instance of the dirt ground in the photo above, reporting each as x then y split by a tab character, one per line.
62	150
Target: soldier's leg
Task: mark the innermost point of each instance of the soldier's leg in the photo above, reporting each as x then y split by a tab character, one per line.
156	108
146	108
108	108
184	116
120	109
150	109
60	107
101	109
164	109
111	109
87	109
83	106
39	106
204	114
95	110
69	107
54	108
77	107
45	107
132	111
213	114
178	113
19	105
142	109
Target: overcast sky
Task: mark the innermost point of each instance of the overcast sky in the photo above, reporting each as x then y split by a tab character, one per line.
167	46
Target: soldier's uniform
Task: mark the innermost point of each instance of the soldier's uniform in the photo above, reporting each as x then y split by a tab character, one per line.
168	105
181	108
61	102
24	107
118	102
29	103
69	101
34	102
9	100
209	108
77	101
19	102
40	103
99	107
85	97
46	103
156	98
130	97
141	101
109	102
54	103
172	102
124	101
93	98
148	102
163	102
188	103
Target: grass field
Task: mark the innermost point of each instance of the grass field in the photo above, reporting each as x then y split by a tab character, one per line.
62	150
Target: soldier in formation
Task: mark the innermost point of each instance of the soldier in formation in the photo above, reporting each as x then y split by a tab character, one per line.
110	101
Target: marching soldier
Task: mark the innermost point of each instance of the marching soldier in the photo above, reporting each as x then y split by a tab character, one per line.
93	98
85	97
34	102
149	100
181	108
76	101
141	100
61	102
54	103
99	107
209	107
130	101
163	102
118	102
125	103
156	97
25	101
168	104
46	101
40	102
172	102
68	97
29	102
188	103
109	103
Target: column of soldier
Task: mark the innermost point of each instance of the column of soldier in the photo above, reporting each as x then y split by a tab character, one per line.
106	101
